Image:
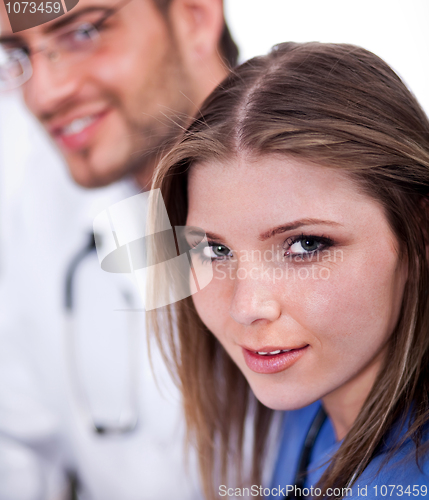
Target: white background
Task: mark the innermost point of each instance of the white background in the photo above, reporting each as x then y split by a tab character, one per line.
396	30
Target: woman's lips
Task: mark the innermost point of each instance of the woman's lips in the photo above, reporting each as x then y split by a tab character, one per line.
272	363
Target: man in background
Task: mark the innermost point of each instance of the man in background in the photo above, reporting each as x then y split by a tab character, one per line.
112	83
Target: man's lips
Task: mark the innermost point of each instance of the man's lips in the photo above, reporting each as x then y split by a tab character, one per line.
76	133
272	359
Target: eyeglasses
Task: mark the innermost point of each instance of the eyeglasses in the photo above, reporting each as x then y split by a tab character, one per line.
73	43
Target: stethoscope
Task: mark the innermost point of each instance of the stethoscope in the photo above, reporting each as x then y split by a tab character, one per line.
127	421
307	449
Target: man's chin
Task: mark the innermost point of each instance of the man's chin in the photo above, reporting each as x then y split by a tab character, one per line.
102	165
91	176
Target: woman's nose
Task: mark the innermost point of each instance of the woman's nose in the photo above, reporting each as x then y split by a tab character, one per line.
253	299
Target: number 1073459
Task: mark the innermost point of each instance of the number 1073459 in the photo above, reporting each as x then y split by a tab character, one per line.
399	490
33	7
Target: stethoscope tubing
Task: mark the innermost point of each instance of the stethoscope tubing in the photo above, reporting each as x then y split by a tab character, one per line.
129	424
307	449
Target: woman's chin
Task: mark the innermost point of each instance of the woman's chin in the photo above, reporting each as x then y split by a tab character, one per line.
283	401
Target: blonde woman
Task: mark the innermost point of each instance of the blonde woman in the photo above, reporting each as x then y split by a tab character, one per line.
308	169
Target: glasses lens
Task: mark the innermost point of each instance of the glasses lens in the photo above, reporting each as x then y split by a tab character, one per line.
78	38
15	68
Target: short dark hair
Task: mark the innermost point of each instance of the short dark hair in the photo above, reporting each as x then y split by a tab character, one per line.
227	46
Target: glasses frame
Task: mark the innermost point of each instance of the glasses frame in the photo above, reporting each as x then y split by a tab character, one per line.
26	73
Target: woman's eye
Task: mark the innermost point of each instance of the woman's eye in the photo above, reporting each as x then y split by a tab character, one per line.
306	245
217	252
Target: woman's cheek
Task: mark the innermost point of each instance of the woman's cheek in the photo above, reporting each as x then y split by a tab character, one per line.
212	304
353	308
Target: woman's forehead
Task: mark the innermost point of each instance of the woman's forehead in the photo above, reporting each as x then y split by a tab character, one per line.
274	182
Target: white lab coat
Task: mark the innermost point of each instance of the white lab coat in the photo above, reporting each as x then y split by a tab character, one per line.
44	432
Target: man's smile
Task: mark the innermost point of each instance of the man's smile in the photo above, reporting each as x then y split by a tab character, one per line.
75	132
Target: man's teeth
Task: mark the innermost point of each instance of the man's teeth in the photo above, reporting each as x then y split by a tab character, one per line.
77	125
272	353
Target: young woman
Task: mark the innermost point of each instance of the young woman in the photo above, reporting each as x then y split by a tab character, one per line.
308	170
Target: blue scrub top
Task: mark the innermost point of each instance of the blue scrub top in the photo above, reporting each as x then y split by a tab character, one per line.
400	477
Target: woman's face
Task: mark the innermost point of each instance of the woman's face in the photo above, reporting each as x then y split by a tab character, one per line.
307	281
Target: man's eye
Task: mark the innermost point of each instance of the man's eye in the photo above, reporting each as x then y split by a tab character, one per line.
82	33
217	252
80	36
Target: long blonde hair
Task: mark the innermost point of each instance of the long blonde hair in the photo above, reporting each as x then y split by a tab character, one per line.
338	106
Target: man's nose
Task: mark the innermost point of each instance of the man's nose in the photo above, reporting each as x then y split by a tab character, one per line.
253	298
51	85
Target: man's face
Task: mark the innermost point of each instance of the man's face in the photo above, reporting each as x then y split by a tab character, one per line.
110	111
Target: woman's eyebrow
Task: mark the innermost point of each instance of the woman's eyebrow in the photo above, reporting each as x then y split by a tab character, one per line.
295	225
193	232
278	229
201	233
